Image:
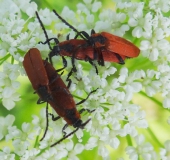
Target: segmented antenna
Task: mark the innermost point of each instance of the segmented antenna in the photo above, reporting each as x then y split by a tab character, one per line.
65	137
47	123
43	28
64	21
82	126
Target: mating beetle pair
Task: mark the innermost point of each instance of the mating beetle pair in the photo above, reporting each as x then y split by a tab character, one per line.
47	82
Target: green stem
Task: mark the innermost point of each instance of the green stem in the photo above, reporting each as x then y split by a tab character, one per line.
129	140
154	137
4	58
35	145
36	141
153	99
12	60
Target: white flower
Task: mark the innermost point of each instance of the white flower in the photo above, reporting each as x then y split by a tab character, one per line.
109	72
166	103
74	150
164	152
30	154
13	132
6	123
20	146
151	83
92	142
20	137
115	115
39	123
9	85
163	5
111	21
6	155
9	97
145	150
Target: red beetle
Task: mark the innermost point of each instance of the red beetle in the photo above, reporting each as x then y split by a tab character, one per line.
83	49
63	102
36	72
67	47
51	89
103	45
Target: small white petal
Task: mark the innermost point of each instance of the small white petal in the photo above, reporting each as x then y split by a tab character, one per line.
96	6
132	22
137	32
78	148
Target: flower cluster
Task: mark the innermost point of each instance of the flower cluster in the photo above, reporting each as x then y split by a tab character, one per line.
145	150
9	85
15	40
116	115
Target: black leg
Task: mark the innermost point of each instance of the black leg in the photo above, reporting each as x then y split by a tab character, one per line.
63	130
83	35
121	61
54	118
68	38
40	101
88	110
82	101
87	58
73	62
64	62
48	40
92	32
68	78
101	60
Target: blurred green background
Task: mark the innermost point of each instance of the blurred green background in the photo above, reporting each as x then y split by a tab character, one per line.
155	114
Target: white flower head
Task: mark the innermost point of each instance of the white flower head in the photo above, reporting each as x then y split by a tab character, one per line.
111	109
6	154
145	150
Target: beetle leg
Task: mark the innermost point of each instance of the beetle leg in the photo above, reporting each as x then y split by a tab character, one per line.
82	101
47	41
40	101
68	78
54	118
87	58
121	61
88	110
63	130
101	60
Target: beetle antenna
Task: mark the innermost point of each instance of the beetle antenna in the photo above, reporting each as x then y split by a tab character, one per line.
64	21
43	28
82	126
65	137
47	123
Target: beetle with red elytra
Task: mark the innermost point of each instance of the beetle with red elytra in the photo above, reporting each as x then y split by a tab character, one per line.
51	89
106	42
99	46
